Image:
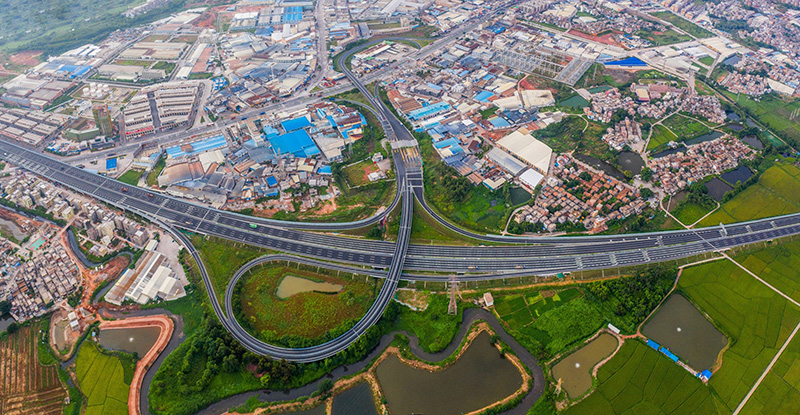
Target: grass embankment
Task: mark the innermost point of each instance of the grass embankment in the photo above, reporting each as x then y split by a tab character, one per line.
131	177
152	176
223	258
688	213
305	318
777	192
105	379
756	320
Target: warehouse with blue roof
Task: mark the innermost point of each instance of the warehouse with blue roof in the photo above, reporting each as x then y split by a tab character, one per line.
296	142
428	111
295	124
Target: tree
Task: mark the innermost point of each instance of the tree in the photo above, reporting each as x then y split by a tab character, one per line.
646	174
646	193
264	379
5	307
325	386
585	176
12	328
375	233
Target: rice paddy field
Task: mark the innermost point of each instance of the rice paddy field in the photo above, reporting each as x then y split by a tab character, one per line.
661	136
102	379
776	193
757	321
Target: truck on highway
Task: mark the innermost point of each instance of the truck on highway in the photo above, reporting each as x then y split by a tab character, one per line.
124	189
472	267
254	226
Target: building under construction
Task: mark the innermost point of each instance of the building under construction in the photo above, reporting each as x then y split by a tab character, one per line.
546	62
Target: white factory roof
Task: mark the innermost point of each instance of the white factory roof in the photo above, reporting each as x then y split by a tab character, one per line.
528	149
530	178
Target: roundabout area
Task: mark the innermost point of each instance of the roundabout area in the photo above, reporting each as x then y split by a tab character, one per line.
296	305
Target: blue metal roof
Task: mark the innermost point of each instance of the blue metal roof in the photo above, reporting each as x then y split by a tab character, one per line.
632	61
295	124
111	163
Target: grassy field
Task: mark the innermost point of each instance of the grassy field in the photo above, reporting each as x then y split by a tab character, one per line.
356	174
481	210
102	379
639	380
131	177
222	258
776	193
667	37
661	136
689	213
434	327
685	128
27	386
166	66
684	24
306	315
426	230
707	60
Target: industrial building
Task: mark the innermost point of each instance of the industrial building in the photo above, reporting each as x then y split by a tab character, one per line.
525	147
30	126
161	108
150	280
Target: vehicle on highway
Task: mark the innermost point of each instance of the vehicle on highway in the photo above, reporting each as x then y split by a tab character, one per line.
262	113
472	267
151	195
254	226
124	189
244	118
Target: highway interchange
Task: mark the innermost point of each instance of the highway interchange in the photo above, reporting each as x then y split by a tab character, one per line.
304	242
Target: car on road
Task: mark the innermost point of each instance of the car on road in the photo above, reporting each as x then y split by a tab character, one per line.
124	189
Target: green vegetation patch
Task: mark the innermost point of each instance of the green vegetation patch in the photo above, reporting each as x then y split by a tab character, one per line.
306	318
102	379
639	380
689	213
661	136
707	60
434	327
777	192
684	24
667	37
152	176
576	134
131	177
774	111
685	128
777	264
755	318
779	393
223	258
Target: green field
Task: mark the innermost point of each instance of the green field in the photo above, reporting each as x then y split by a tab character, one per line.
574	102
355	173
103	379
223	258
707	60
779	393
684	24
305	318
661	136
685	128
688	213
776	193
639	380
434	327
755	318
667	37
778	265
58	25
773	111
131	177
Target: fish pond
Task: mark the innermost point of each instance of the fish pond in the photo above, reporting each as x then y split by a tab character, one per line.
480	377
683	329
575	370
355	401
133	340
